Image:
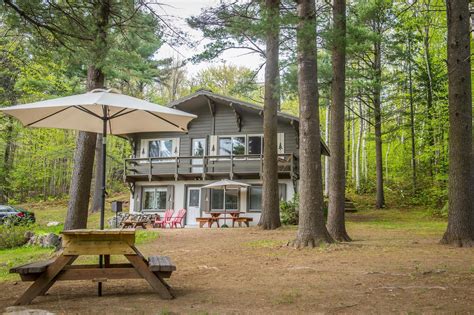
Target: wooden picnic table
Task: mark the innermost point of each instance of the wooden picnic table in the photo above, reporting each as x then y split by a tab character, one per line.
215	216
133	224
96	242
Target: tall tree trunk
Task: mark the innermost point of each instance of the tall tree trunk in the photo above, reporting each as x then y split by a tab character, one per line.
412	119
348	143
358	149
80	189
79	192
429	95
337	181
460	230
311	228
353	148
7	161
270	218
326	158
380	199
97	197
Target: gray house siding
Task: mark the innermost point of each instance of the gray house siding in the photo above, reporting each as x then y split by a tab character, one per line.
225	124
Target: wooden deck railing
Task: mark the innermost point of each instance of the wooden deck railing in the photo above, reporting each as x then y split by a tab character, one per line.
249	165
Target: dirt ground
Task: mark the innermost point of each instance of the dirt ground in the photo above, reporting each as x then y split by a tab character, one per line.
226	271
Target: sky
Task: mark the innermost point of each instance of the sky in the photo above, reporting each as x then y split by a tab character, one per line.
177	11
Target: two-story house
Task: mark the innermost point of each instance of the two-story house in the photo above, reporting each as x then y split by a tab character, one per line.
168	169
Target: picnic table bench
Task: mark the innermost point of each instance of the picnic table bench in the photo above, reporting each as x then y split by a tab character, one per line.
96	242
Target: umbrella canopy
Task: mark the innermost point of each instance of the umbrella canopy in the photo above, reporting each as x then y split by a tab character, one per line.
228	184
86	112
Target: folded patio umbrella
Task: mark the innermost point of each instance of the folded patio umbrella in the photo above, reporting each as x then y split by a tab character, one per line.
226	184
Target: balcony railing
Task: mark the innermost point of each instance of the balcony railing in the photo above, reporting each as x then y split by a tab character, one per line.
208	167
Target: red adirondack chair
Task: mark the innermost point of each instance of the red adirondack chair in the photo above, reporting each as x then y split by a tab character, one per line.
166	219
178	219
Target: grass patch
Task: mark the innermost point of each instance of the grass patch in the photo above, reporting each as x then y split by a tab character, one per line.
145	236
18	256
416	220
264	244
287	298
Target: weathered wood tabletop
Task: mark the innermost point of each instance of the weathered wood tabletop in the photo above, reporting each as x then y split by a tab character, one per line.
93	242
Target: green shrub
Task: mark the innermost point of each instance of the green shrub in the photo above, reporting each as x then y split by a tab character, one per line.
289	211
13	235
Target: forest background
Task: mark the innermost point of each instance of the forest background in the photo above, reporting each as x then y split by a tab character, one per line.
411	79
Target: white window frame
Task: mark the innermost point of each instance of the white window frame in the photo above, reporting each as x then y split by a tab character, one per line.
226	157
154	189
175	141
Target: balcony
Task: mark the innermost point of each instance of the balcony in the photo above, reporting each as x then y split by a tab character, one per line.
206	168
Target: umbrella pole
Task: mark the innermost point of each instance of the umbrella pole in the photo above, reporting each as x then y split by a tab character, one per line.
102	206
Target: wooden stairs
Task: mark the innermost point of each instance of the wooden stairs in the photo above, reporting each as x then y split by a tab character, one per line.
349	206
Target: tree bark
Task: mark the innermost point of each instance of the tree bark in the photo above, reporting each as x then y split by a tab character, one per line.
326	158
79	193
311	228
460	231
7	162
270	218
380	199
80	189
337	182
429	94
412	119
97	197
358	148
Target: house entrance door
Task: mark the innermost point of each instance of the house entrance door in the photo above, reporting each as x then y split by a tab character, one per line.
198	150
193	205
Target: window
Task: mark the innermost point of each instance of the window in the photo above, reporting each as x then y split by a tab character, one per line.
161	148
255	145
154	199
255	198
231	199
234	145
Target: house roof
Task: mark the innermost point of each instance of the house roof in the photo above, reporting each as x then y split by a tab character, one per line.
234	101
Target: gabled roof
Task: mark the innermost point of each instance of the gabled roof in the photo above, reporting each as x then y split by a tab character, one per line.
234	101
226	99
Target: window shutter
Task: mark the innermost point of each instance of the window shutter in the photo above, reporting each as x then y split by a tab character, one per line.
170	197
212	145
137	204
144	148
281	142
205	199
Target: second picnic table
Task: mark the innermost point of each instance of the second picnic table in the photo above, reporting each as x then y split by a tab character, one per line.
96	242
215	216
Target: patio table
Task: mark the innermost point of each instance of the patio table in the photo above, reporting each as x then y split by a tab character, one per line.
95	242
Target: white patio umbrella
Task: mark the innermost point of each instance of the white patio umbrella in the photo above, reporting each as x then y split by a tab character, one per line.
101	111
226	184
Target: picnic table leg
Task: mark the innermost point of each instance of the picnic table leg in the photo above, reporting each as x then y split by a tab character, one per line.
156	282
54	280
45	281
106	261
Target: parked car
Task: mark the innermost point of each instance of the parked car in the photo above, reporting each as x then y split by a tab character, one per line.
17	214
